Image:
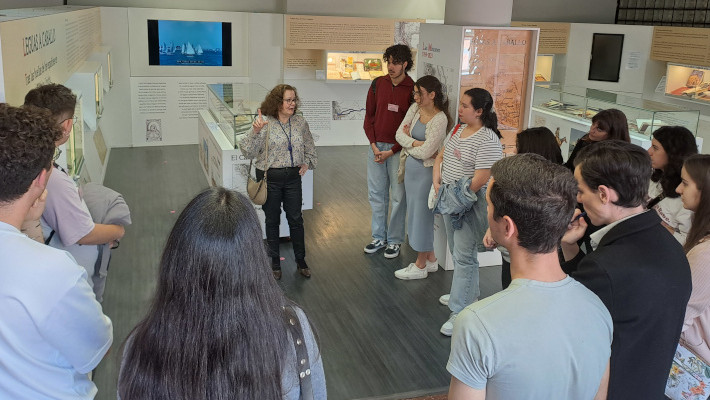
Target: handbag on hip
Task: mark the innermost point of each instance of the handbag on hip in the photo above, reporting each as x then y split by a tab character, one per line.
257	190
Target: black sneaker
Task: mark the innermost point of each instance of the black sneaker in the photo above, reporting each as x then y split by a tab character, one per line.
374	246
392	250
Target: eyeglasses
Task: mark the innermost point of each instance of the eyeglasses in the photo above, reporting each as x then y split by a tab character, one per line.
290	101
416	93
74	119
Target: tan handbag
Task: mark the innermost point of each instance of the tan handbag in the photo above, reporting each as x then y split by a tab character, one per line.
257	190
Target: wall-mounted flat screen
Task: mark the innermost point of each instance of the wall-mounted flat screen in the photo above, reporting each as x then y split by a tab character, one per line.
605	62
189	43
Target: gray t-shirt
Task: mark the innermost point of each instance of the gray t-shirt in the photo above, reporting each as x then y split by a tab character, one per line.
533	340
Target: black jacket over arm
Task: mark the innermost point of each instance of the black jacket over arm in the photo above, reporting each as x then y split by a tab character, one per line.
641	274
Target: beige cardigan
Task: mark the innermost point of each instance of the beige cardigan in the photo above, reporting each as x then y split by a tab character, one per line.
433	137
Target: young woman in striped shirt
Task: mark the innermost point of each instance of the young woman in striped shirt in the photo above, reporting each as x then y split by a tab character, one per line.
469	154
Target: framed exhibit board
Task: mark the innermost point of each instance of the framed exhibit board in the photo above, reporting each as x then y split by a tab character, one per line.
500	60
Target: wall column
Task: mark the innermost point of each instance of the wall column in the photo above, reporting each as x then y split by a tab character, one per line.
478	12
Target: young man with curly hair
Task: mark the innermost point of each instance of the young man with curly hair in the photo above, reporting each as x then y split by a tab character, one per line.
52	329
388	100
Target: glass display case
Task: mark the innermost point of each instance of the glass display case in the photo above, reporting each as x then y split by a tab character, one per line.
543	67
643	116
234	106
75	144
688	82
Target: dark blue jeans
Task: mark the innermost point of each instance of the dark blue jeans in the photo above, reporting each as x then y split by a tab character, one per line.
283	186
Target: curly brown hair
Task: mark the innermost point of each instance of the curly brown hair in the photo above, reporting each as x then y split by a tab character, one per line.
27	136
58	99
274	100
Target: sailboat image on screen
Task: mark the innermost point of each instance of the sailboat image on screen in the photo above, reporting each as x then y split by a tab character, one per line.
189	43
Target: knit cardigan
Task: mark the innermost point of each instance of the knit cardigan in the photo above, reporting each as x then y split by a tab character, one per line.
433	137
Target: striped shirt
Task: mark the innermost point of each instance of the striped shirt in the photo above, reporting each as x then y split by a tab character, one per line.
462	157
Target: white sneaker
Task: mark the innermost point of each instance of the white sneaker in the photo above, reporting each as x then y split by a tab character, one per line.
448	328
410	272
444	300
432	266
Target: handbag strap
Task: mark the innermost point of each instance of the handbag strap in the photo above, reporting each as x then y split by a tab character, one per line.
267	153
303	364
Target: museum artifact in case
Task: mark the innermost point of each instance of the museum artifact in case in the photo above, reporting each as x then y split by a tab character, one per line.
234	106
352	66
688	82
543	67
643	116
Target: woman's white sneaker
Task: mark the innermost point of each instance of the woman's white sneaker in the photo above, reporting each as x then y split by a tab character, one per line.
411	272
444	299
432	266
448	328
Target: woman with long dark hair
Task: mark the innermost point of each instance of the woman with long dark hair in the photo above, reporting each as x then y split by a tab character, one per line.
694	191
609	124
468	155
670	146
291	153
421	135
217	328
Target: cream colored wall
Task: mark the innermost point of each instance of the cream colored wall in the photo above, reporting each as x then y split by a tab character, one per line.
7	4
258	6
600	11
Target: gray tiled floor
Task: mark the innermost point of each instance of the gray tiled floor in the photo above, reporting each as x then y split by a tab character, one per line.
379	336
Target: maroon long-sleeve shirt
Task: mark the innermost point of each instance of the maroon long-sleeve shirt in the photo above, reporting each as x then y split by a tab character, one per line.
385	110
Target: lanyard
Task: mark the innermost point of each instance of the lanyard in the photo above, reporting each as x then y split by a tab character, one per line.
288	135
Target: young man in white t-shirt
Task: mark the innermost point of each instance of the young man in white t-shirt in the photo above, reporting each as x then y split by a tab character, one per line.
546	336
52	330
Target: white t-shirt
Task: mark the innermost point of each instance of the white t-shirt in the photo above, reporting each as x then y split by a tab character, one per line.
533	340
462	157
52	329
672	212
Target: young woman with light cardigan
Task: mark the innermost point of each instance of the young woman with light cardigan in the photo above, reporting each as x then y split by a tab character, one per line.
694	191
421	135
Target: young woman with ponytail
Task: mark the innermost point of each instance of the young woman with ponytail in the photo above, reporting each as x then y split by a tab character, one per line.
468	156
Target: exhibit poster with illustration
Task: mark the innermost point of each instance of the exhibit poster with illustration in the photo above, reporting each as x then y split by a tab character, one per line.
498	60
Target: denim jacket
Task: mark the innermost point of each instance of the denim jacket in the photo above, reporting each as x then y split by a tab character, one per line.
455	199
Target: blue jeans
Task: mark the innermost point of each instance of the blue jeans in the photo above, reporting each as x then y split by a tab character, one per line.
464	249
381	187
